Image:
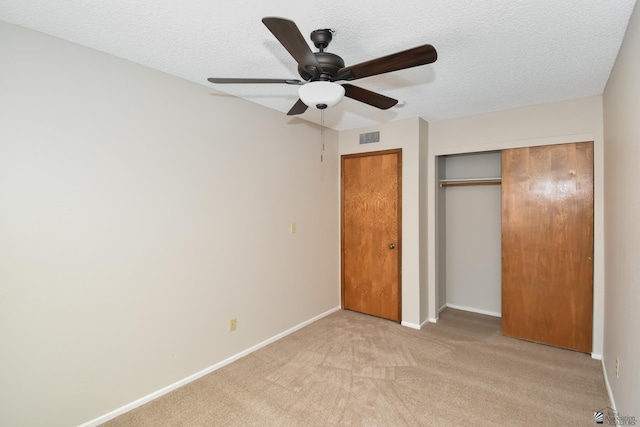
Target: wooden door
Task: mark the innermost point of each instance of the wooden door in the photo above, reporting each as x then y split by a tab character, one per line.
547	244
371	247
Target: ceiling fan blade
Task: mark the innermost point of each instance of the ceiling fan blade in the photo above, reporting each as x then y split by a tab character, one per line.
232	80
368	97
421	55
288	34
298	108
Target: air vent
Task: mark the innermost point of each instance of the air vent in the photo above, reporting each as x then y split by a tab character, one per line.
370	137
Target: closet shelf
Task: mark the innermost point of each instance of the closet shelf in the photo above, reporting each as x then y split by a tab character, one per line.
458	182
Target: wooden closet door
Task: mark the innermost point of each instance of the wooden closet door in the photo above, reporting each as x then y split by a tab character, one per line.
547	244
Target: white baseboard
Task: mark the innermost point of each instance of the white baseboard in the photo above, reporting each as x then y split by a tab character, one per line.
596	356
433	319
414	325
474	310
126	408
612	402
410	325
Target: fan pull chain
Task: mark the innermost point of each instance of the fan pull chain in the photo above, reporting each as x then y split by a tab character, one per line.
322	135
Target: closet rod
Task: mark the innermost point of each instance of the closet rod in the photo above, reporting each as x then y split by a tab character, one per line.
469	181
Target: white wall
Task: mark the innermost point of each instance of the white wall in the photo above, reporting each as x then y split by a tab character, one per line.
622	227
473	250
138	214
410	135
560	122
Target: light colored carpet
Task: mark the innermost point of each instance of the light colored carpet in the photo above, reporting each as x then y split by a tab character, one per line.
350	369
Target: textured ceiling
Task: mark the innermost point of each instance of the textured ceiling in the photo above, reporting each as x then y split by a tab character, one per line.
492	55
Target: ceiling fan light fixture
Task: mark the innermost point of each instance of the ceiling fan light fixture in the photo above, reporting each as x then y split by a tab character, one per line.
321	94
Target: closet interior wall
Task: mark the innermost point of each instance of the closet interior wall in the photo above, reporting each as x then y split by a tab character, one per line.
471	233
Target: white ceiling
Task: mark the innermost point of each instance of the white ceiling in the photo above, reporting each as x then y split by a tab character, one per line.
492	55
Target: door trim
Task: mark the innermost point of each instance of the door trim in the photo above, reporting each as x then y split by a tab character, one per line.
344	157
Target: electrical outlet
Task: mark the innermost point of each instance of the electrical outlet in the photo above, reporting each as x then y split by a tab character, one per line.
232	324
617	368
294	229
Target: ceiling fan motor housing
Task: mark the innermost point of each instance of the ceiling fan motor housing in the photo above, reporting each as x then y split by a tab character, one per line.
330	64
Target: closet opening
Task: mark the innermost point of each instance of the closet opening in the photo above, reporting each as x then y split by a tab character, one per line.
469	232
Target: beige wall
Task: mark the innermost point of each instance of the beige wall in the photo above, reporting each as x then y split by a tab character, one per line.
440	236
423	224
410	135
138	214
561	122
622	229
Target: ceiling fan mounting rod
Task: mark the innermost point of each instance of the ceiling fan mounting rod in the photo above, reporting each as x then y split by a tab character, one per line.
322	38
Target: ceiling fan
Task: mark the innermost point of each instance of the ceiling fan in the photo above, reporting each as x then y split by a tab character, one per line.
321	70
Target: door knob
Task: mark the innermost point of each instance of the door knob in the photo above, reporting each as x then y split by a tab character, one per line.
392	246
